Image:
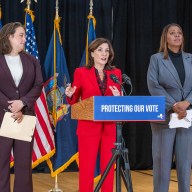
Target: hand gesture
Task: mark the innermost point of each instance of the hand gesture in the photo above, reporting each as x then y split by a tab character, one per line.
114	90
69	91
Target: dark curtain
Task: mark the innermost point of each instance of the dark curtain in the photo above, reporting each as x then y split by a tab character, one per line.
134	28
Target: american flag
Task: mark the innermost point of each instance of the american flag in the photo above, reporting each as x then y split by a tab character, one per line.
44	144
30	45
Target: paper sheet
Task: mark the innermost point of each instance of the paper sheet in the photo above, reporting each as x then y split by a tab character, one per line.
177	123
21	131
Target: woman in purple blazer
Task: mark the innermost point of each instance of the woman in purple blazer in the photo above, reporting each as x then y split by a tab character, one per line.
21	85
95	137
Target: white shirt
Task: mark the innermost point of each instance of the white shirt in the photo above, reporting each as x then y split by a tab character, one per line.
15	67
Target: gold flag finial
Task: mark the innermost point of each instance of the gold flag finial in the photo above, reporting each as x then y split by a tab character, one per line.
28	3
91	7
57	19
57	10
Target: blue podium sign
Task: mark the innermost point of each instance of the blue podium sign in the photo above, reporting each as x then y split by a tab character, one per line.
129	108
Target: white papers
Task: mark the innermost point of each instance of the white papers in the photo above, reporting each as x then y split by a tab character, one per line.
177	123
21	131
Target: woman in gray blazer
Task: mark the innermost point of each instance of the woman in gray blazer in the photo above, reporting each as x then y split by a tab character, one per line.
20	86
170	75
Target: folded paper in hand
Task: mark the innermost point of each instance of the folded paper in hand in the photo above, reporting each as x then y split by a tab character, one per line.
21	131
178	123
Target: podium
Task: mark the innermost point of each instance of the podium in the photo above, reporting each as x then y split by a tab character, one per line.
118	108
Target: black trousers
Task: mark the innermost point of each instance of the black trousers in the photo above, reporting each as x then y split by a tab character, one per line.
22	151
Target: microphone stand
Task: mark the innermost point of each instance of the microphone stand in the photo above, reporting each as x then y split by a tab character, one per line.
123	90
119	152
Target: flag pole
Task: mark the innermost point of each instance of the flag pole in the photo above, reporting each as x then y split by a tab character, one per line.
0	11
28	3
0	15
89	16
56	188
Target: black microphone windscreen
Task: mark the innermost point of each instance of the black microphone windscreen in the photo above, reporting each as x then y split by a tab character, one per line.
114	78
126	79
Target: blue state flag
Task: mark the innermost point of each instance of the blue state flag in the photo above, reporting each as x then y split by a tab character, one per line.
56	76
0	24
0	18
91	35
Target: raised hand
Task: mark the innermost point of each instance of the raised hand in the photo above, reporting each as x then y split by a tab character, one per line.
114	90
69	91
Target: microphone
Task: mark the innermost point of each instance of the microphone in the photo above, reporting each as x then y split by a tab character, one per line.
114	78
126	79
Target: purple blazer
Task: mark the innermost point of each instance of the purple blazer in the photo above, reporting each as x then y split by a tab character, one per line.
29	88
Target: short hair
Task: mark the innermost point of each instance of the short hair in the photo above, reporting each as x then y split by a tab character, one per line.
93	46
5	32
163	41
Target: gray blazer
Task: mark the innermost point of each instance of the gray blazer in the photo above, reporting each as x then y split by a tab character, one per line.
163	79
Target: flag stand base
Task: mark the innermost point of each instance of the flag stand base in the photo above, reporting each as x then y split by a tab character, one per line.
56	189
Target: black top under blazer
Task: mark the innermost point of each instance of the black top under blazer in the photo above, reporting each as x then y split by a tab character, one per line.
163	80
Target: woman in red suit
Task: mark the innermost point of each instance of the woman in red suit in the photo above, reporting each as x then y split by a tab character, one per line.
21	84
95	137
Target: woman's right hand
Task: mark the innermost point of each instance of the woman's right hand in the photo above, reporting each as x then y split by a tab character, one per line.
182	114
69	91
18	116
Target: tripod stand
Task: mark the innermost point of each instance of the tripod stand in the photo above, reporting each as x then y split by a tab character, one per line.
118	153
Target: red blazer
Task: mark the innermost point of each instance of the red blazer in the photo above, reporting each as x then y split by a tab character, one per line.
87	86
29	88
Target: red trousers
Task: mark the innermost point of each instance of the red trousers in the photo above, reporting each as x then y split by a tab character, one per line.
89	146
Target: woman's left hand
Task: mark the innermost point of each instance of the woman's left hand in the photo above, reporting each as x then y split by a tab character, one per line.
114	90
15	106
180	106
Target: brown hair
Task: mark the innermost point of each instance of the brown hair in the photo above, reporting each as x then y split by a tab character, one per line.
5	32
163	42
93	46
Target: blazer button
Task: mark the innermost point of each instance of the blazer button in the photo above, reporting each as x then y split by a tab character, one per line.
17	91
